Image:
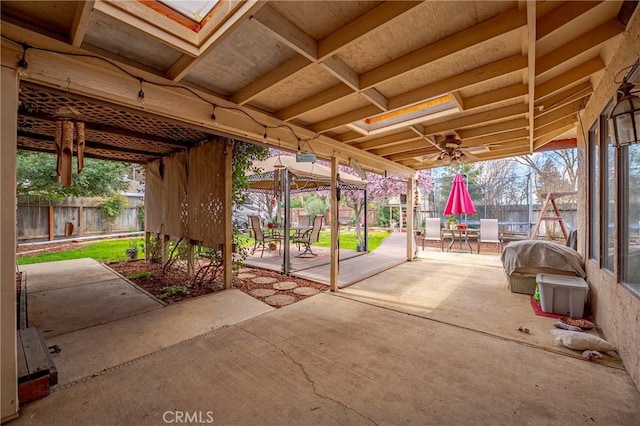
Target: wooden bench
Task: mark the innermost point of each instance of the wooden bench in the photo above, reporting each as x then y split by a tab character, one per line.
36	370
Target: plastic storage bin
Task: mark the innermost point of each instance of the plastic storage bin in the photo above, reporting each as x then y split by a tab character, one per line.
563	295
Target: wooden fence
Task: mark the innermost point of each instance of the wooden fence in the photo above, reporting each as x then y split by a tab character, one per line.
39	219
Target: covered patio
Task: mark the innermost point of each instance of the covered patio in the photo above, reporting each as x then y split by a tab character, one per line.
394	86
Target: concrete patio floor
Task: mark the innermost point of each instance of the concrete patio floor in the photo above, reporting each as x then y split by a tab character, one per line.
427	342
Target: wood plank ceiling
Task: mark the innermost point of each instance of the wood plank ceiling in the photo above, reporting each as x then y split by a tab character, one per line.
506	78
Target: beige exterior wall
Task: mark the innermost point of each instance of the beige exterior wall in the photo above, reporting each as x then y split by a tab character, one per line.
616	310
8	356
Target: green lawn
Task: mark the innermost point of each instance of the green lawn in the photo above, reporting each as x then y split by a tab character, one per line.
113	250
348	239
103	251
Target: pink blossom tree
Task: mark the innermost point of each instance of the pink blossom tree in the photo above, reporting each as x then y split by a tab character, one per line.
380	188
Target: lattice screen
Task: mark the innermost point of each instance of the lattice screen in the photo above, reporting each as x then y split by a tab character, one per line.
184	195
153	202
206	193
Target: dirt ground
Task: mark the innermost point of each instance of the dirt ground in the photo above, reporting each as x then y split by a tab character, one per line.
155	281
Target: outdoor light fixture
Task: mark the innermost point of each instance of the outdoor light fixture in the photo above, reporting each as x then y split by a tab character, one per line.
140	93
278	164
625	116
22	63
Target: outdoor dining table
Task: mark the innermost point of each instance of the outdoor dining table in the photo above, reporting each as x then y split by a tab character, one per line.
461	235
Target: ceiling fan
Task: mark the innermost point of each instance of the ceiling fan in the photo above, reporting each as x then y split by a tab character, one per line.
451	151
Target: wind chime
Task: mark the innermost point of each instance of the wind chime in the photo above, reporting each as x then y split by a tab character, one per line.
68	125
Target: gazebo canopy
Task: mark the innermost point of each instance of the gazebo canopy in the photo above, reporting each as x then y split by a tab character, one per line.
303	176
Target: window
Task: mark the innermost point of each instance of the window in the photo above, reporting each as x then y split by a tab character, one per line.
630	217
608	196
594	194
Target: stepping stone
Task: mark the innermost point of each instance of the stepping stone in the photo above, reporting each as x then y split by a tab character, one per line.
243	270
306	291
262	292
264	280
280	300
246	276
285	285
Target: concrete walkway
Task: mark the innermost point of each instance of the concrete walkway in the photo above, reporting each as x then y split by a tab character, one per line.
403	347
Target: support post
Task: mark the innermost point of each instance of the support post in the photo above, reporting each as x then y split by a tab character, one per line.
147	240
80	222
51	224
227	250
8	153
335	223
286	266
366	222
190	260
409	222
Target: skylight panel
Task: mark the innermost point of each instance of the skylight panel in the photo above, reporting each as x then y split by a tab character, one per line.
195	10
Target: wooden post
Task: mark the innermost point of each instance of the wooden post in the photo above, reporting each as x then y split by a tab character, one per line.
410	235
165	249
227	251
8	336
51	224
190	260
147	240
334	226
80	224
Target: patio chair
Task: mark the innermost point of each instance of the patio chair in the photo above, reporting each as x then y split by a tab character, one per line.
489	233
304	220
432	232
258	235
309	237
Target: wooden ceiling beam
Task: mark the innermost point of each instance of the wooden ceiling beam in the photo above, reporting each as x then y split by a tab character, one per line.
459	81
316	101
493	27
561	16
542	141
580	91
80	22
383	141
552	127
497	138
491	129
478	118
342	72
186	62
531	65
411	154
287	32
376	98
495	96
349	137
560	113
569	78
346	118
400	148
471	77
268	80
586	41
372	20
91	144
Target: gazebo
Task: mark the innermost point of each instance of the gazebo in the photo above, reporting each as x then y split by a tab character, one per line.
282	175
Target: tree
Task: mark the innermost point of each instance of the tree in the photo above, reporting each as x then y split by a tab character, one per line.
244	154
503	186
36	175
556	171
380	188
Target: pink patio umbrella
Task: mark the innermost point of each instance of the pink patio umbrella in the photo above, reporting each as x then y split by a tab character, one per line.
459	201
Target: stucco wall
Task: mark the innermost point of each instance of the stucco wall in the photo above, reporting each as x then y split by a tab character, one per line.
616	310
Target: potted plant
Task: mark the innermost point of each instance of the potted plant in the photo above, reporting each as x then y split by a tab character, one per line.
131	253
360	244
451	222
